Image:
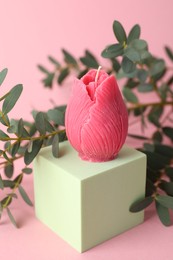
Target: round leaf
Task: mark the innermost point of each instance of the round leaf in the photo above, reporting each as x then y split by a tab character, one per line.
128	66
112	51
129	95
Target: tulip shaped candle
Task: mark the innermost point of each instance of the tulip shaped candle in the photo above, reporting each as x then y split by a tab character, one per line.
96	117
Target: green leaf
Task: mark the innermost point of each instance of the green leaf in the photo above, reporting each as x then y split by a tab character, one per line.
69	58
40	123
3	136
29	156
9	184
27	170
130	96
112	51
115	64
156	161
15	149
155	114
164	150
25	196
165	200
168	131
9	170
169	52
145	87
169	172
12	98
157	137
82	73
139	44
12	219
4	119
3	75
1	183
57	116
150	188
18	180
134	33
48	127
141	204
163	214
6	201
89	60
63	74
167	187
119	32
55	146
157	67
142	75
128	66
54	61
48	81
132	54
43	69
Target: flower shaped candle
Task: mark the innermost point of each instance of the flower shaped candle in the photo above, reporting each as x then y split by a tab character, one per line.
96	117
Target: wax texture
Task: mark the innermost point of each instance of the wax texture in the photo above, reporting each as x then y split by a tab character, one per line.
96	117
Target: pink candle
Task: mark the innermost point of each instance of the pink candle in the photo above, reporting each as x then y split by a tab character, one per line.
96	117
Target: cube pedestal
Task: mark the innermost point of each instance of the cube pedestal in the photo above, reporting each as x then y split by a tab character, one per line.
87	203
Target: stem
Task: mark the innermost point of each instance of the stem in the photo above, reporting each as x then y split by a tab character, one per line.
169	103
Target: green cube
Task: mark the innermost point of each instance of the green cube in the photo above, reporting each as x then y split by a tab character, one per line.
87	203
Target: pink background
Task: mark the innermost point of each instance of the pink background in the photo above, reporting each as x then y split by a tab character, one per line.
32	30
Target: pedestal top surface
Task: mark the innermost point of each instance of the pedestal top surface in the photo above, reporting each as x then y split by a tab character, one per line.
70	162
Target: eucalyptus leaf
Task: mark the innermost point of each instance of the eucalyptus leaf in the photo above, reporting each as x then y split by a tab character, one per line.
6	201
63	74
157	67
155	114
69	58
164	150
89	60
25	196
55	146
165	200
145	87
139	44
142	75
15	148
168	131
9	170
40	123
130	96
48	81
169	52
27	170
157	137
12	98
3	75
57	116
141	204
12	219
29	156
167	187
112	51
119	32
4	119
115	64
132	54
3	136
163	214
54	61
128	66
134	33
1	183
43	69
156	161
169	173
